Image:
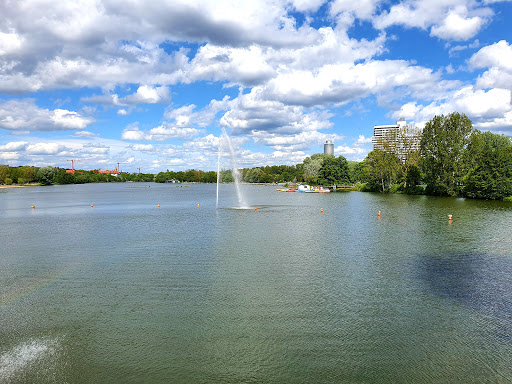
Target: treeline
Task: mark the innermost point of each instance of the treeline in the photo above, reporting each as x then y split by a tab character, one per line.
50	175
452	159
448	158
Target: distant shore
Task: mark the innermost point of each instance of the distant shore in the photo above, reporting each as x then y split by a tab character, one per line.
17	186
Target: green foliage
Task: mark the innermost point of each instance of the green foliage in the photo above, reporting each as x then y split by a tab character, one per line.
488	161
381	170
4	173
62	177
45	175
209	177
8	181
441	148
312	167
334	170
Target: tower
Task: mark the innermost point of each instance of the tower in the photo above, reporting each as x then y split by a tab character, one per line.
329	148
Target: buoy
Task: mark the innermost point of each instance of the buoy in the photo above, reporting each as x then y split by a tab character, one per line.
449	217
92	205
197	205
158	205
378	214
321	210
32	206
255	208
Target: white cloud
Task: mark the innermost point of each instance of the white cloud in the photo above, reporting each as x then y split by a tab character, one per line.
252	112
143	147
163	132
342	83
447	19
44	149
9	155
10	43
484	108
23	114
458	27
498	58
362	141
298	142
13	146
149	95
85	134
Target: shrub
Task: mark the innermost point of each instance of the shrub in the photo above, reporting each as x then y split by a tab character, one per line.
7	181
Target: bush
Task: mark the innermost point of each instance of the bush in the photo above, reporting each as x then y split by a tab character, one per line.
415	190
21	180
7	181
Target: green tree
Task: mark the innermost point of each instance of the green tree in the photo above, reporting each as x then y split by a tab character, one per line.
4	173
488	162
334	170
312	166
62	177
45	175
382	169
441	148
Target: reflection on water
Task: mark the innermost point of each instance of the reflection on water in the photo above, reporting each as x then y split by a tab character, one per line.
479	281
307	288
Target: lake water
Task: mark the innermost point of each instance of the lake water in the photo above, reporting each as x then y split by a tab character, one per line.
126	292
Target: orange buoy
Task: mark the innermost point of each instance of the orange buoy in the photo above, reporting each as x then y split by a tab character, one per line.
255	208
158	205
92	205
449	217
378	214
32	206
321	210
197	205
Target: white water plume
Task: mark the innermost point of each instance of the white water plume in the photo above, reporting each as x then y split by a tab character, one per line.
235	171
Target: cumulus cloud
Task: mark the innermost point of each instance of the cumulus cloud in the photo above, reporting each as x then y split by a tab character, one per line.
23	114
498	59
449	20
85	134
485	108
45	149
145	94
163	132
13	146
342	83
297	142
253	112
143	147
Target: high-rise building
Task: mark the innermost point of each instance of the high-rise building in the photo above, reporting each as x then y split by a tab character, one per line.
397	138
329	148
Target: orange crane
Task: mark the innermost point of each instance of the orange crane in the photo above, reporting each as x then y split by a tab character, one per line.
72	166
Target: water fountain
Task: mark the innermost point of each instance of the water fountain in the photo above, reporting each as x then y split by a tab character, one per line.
236	173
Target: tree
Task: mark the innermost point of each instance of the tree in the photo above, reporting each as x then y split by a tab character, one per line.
334	170
441	148
382	169
312	166
4	173
62	177
488	162
45	175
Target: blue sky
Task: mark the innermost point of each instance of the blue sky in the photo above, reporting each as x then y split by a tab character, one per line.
151	85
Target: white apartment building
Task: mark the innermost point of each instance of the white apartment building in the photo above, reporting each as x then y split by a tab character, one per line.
397	138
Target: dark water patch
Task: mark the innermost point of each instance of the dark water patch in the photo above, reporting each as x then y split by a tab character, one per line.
480	281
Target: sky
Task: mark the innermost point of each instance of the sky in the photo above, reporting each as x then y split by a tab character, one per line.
154	84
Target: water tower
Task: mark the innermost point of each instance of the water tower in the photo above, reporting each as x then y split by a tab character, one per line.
329	148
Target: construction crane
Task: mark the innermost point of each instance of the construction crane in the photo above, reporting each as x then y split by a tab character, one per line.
118	169
73	165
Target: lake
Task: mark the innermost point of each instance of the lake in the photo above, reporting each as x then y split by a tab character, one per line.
129	292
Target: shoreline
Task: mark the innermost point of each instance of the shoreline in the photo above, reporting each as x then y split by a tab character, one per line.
17	186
